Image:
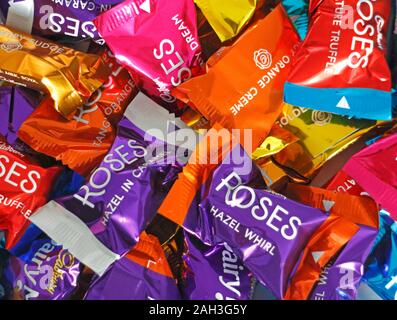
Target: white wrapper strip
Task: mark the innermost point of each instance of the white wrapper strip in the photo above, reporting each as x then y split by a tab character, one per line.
20	15
69	231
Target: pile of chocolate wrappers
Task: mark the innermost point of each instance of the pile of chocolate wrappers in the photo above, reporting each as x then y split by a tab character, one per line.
198	149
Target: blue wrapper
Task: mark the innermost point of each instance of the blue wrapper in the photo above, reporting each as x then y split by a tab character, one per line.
2	239
69	182
22	247
381	266
298	12
42	270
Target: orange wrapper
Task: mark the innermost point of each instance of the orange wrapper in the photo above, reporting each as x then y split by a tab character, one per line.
81	142
243	86
150	254
333	234
69	76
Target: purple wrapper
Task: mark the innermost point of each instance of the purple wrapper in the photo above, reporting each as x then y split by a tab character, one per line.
127	280
47	273
265	230
71	18
15	106
225	276
122	195
341	277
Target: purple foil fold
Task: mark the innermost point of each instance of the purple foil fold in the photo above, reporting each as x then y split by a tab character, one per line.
127	280
16	104
225	276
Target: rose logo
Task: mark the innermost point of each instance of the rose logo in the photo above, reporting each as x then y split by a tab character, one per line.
321	118
263	59
11	46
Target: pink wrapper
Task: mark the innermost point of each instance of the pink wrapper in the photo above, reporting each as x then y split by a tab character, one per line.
375	170
159	40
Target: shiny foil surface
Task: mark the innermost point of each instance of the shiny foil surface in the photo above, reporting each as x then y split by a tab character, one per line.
69	76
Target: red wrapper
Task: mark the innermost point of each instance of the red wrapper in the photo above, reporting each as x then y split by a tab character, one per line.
82	141
24	187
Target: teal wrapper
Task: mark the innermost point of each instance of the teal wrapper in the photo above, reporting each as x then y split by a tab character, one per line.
381	267
298	12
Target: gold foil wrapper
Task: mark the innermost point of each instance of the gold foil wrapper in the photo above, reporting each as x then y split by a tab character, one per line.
209	40
321	136
278	139
69	76
228	17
